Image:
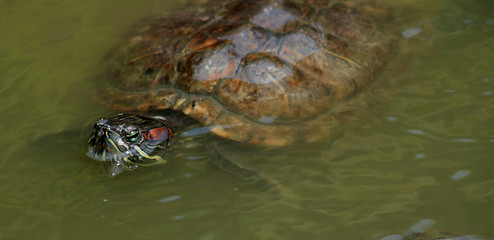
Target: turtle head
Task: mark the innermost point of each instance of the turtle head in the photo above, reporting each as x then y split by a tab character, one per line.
127	140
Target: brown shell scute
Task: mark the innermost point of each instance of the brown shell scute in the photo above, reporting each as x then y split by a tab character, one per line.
255	70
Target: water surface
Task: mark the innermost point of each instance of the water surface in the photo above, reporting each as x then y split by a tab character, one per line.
421	148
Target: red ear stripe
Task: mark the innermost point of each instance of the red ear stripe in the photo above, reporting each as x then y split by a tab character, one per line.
162	134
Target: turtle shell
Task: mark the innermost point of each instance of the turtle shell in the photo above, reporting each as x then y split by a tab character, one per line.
259	71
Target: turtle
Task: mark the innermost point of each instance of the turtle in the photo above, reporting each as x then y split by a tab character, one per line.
260	72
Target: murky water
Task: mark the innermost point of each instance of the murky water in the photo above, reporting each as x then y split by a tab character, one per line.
423	149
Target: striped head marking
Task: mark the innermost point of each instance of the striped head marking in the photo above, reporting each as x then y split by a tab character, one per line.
128	140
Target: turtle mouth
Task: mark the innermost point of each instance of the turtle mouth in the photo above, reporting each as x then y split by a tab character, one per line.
106	146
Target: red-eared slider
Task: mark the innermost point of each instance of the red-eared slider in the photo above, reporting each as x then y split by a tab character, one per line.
266	72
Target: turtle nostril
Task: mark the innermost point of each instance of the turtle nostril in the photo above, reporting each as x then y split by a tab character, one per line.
101	127
102	122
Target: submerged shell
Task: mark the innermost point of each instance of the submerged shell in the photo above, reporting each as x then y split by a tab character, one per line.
259	71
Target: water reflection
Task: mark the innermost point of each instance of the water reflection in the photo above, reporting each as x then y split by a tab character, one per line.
411	32
170	199
461	174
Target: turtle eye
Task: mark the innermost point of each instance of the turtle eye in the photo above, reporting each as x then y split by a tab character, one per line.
132	135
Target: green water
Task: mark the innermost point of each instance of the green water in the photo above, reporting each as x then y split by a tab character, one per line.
422	150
